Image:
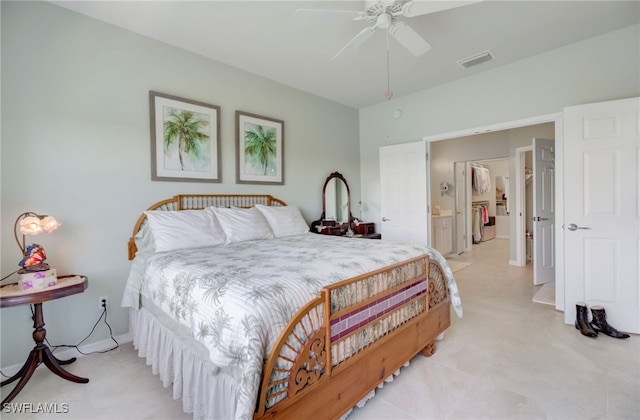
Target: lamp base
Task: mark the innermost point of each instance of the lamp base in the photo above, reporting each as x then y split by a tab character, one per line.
37	280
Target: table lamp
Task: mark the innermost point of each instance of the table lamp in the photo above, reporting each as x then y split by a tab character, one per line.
35	274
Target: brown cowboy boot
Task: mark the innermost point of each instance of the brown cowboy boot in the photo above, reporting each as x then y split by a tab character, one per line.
582	321
599	323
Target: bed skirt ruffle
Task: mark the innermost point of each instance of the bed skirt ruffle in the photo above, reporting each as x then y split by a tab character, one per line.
205	394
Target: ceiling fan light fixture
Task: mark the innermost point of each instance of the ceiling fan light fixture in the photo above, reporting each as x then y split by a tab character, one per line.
476	59
384	21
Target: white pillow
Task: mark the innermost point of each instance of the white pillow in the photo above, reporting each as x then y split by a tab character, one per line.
144	239
184	229
284	221
242	224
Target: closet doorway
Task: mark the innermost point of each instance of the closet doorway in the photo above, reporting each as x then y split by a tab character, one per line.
450	153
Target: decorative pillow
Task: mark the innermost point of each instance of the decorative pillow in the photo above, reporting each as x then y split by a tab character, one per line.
242	224
284	221
184	229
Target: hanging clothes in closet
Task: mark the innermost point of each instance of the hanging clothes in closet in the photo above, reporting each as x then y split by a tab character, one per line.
480	217
480	178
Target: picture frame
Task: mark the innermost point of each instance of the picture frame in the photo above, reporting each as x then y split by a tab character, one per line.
195	158
259	149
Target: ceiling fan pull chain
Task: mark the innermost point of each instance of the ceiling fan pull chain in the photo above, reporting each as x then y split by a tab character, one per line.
388	94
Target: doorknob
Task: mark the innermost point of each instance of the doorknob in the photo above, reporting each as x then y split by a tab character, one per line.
573	227
384	219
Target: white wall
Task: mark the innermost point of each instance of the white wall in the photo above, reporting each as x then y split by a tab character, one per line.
598	69
76	145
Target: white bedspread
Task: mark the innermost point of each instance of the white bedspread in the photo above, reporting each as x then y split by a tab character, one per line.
235	299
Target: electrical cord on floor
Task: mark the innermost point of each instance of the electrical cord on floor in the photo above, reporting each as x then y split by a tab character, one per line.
76	346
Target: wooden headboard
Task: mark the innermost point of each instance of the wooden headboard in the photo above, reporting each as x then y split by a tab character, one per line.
199	202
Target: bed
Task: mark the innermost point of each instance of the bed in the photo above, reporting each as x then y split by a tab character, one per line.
247	314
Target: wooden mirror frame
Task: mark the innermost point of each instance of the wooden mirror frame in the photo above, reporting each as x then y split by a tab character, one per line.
324	189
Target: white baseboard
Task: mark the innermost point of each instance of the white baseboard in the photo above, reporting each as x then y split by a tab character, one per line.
102	345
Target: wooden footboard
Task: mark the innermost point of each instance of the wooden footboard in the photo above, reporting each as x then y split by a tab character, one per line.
342	345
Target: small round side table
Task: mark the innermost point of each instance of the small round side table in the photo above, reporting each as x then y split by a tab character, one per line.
11	295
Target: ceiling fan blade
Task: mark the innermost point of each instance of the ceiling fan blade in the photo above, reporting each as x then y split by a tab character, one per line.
329	13
358	40
409	38
423	7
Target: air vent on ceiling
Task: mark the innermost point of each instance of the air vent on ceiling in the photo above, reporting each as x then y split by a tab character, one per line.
476	59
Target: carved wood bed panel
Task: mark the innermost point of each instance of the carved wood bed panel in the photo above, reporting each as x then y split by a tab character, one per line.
353	336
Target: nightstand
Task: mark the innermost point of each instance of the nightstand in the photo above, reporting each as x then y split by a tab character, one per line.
12	295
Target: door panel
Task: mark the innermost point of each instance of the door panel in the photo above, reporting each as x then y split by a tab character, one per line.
544	211
461	206
602	230
403	193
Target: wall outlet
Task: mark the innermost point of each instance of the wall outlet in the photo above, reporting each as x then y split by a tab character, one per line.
104	298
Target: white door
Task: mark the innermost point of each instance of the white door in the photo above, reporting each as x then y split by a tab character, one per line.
403	193
544	211
601	189
461	205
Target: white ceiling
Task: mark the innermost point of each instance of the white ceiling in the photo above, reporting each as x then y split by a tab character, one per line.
268	39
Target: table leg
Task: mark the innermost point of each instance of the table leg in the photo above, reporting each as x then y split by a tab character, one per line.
27	370
63	362
40	354
54	366
22	370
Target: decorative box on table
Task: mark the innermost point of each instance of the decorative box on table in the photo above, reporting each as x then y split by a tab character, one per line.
37	280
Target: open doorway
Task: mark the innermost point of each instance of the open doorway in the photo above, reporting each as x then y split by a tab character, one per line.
447	155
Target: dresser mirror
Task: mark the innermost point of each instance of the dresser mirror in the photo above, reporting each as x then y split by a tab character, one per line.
336	199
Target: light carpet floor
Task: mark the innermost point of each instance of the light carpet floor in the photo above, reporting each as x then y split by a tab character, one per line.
506	358
546	295
457	265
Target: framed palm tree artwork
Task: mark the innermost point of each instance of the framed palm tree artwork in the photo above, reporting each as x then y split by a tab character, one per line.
259	149
185	139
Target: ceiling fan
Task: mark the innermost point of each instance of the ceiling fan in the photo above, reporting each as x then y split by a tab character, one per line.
385	14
